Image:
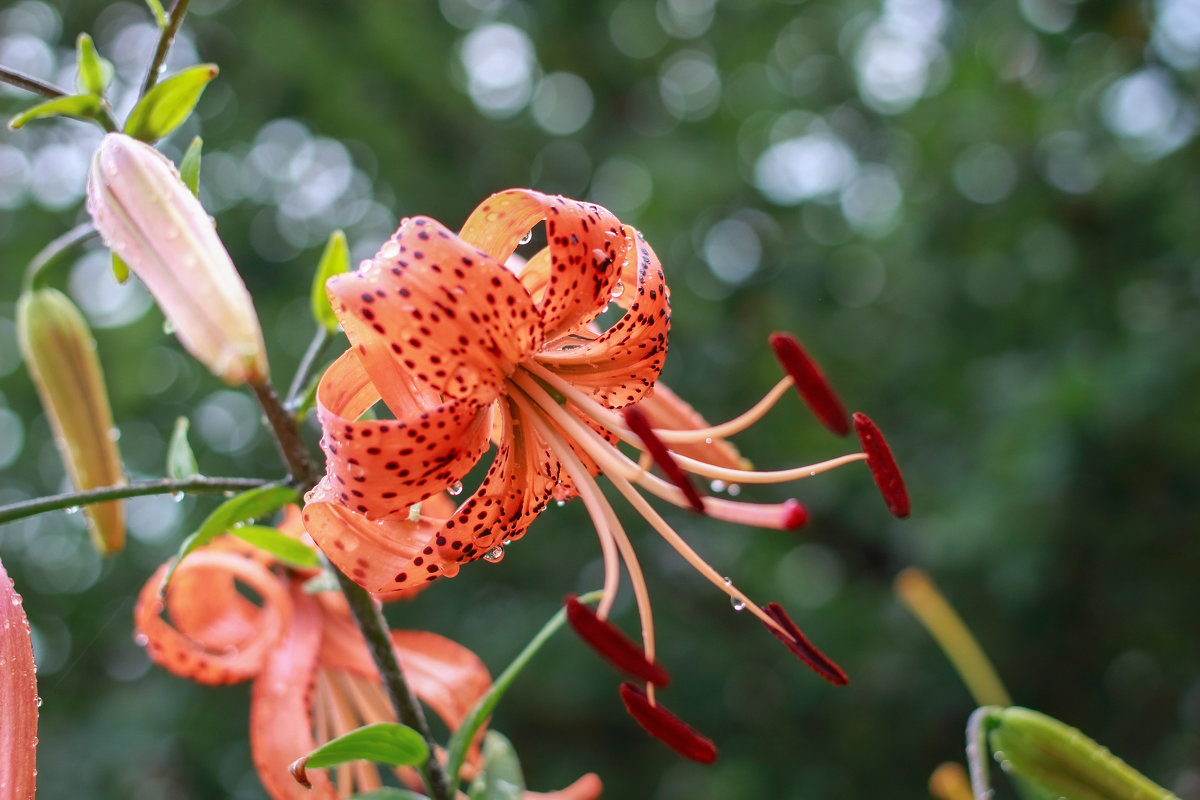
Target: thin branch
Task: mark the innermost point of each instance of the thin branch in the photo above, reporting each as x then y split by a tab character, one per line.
287	436
53	251
30	83
307	365
40	505
174	20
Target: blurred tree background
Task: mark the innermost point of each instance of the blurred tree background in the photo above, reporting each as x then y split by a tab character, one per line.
981	218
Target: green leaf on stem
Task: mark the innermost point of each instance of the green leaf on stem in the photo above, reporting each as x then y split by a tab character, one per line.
285	548
168	104
501	777
95	73
334	261
189	167
76	106
242	508
120	268
457	747
382	742
181	462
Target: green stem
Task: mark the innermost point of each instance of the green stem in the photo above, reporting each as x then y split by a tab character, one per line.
53	252
307	366
40	505
174	20
30	83
366	612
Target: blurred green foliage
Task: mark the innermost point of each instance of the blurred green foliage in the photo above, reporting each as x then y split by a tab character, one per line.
980	218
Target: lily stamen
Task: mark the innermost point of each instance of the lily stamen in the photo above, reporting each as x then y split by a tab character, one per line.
663	457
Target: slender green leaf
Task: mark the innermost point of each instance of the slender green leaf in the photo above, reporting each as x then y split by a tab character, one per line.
474	720
382	742
501	777
284	547
76	106
160	16
120	268
189	167
335	260
169	103
181	462
95	73
242	508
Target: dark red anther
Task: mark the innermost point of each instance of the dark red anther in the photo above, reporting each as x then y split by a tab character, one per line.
799	644
810	382
795	514
639	424
666	727
883	465
613	645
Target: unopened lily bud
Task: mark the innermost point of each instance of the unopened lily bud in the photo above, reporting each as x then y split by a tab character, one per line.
61	355
149	218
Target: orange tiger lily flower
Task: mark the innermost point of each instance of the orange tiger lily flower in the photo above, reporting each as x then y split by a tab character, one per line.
313	675
465	351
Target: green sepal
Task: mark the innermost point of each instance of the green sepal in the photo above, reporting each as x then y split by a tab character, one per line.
189	167
120	268
160	16
168	104
242	508
76	106
181	461
382	742
501	777
285	548
334	261
95	73
457	746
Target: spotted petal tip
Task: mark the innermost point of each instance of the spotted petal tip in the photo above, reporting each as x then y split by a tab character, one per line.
640	424
811	382
799	644
666	727
883	465
612	644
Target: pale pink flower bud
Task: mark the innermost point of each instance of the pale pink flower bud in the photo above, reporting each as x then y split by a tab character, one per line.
148	217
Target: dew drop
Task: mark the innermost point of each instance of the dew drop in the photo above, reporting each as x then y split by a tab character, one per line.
141	639
495	555
38	700
708	440
455	488
560	503
737	604
73	510
527	238
618	290
605	309
718	486
114	434
176	497
168	327
16	599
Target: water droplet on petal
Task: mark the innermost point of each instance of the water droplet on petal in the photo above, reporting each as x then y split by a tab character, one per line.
527	238
114	434
455	488
38	700
141	639
708	440
168	327
560	503
618	290
496	554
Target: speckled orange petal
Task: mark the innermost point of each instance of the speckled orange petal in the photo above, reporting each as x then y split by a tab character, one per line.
205	606
375	554
586	248
668	411
381	467
619	366
430	306
189	658
514	491
281	727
